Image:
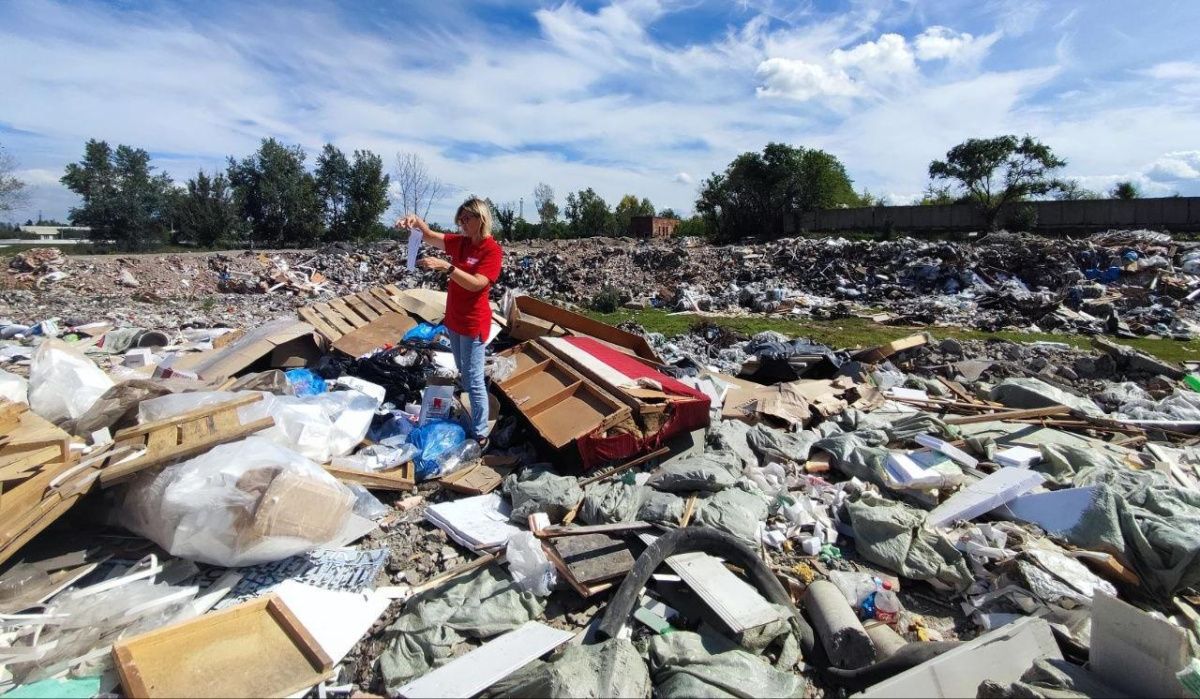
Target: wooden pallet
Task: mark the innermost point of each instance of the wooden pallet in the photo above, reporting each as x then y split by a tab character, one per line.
399	479
36	487
181	437
346	314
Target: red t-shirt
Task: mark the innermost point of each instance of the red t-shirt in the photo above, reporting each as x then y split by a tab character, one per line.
469	312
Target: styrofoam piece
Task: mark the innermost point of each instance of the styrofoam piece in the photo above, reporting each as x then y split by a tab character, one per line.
956	454
1018	457
909	393
335	618
984	495
1134	651
1002	655
1056	512
470	674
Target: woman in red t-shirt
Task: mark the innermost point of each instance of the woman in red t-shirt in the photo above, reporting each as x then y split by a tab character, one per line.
475	260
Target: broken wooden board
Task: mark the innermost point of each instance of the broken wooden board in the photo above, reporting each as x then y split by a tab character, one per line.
470	674
473	480
530	317
383	330
254	649
400	479
182	437
588	563
278	344
344	315
27	442
560	403
882	352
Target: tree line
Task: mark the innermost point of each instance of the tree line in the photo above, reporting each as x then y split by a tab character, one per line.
271	199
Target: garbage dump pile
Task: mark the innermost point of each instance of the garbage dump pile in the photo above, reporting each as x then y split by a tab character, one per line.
1122	283
293	507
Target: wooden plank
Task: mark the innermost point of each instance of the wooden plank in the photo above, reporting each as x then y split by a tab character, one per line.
361	308
661	451
688	510
470	674
257	648
371	302
882	352
380	480
383	298
186	417
736	602
595	558
117	472
1010	415
333	318
314	319
348	313
615	528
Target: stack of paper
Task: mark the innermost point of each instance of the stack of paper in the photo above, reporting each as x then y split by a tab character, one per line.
1018	457
922	469
478	523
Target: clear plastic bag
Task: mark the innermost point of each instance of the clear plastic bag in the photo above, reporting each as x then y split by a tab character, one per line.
459	457
62	383
367	505
239	504
499	368
528	564
13	387
319	427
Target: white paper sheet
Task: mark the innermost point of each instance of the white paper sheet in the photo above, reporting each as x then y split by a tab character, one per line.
414	246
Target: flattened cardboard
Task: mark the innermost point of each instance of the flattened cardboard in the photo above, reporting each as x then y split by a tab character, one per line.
288	345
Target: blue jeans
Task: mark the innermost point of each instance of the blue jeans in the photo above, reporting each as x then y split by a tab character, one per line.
468	357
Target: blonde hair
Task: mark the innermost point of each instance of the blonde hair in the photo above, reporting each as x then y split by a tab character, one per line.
480	208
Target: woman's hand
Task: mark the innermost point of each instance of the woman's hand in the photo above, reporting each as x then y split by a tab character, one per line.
436	264
410	221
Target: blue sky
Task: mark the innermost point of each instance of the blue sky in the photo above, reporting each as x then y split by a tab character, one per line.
640	96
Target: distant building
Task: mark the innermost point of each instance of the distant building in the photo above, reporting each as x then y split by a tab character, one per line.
57	232
652	226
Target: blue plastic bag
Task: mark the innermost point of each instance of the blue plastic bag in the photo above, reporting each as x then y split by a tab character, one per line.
398	424
426	335
434	439
305	382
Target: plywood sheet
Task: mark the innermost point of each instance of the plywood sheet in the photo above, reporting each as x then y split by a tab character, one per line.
256	649
387	329
593	558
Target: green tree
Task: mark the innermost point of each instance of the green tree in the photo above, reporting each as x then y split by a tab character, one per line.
669	213
762	192
937	196
588	215
1071	190
13	194
123	200
693	227
506	217
1124	190
277	196
626	209
332	179
206	213
993	172
524	230
366	196
543	201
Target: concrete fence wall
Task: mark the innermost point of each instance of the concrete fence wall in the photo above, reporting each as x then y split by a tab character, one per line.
1176	214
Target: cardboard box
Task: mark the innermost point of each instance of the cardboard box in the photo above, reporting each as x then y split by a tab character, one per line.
297	506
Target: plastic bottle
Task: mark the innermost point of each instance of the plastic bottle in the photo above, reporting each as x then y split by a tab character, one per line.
887	604
864	592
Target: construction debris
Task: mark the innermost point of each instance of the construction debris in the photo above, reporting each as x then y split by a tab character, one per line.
188	508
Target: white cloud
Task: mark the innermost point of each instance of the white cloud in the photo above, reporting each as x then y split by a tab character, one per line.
878	61
937	42
801	80
1174	70
682	178
1172	167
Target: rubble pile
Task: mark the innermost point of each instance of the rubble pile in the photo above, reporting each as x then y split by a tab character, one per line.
276	493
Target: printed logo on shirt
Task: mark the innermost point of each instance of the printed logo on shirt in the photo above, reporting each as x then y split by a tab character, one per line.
472	260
